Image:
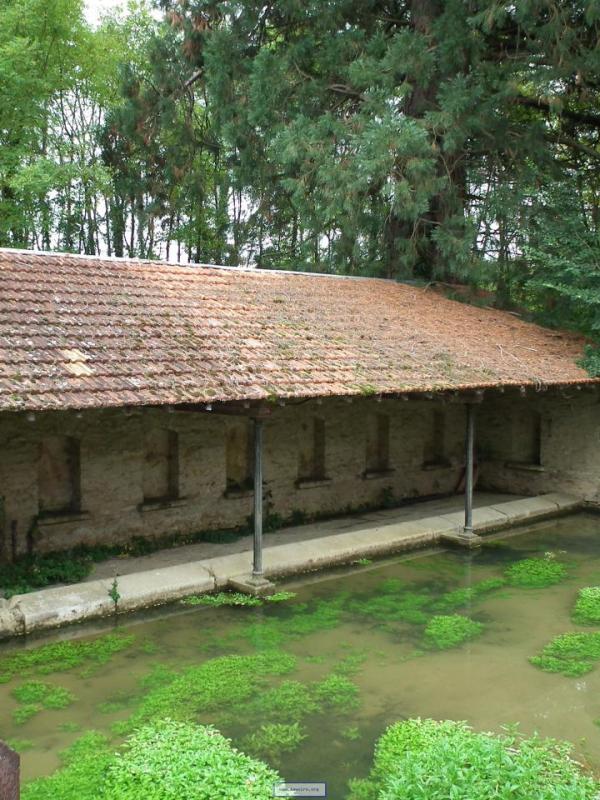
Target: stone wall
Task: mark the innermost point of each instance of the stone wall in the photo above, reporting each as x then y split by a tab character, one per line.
118	452
373	452
566	425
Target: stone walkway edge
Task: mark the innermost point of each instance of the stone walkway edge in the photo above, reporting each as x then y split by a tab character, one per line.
62	605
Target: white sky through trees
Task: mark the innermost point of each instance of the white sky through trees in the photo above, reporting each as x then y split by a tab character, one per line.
95	8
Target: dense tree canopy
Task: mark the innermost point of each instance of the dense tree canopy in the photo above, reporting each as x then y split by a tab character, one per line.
450	140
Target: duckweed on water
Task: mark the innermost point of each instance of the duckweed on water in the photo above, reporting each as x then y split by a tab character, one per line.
570	654
536	573
166	760
587	607
61	656
443	632
422	759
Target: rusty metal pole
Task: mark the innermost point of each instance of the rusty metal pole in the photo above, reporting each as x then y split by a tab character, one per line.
469	448
257	567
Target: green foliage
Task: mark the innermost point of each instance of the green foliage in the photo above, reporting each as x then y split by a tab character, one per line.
280	597
236	599
34	572
424	759
273	739
173	761
337	692
36	695
459	598
571	654
81	776
20	745
61	656
222	599
405	606
215	684
443	632
291	701
114	594
351	733
534	573
587	606
166	760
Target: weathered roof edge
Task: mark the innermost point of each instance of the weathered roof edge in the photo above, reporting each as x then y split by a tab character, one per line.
410	392
192	265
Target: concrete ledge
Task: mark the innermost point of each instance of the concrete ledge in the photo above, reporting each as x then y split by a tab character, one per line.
543	505
50	608
62	605
484	519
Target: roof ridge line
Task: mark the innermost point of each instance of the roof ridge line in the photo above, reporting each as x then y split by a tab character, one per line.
193	265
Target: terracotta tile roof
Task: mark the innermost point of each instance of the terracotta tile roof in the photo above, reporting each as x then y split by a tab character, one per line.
79	332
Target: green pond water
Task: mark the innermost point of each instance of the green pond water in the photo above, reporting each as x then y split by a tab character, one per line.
327	671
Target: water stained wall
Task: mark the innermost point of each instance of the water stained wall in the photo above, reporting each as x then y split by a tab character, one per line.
149	472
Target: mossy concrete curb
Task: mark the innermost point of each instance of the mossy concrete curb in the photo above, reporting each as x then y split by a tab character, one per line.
61	605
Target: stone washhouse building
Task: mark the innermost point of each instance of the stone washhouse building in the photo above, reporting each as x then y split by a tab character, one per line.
145	399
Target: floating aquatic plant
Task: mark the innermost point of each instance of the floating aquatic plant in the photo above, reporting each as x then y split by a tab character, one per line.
81	776
445	631
535	573
165	760
222	599
570	654
351	733
422	759
587	607
459	598
387	607
215	684
337	692
20	745
34	696
291	701
61	656
235	599
273	739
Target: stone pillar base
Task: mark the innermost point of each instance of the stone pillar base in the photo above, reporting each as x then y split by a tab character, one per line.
252	584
